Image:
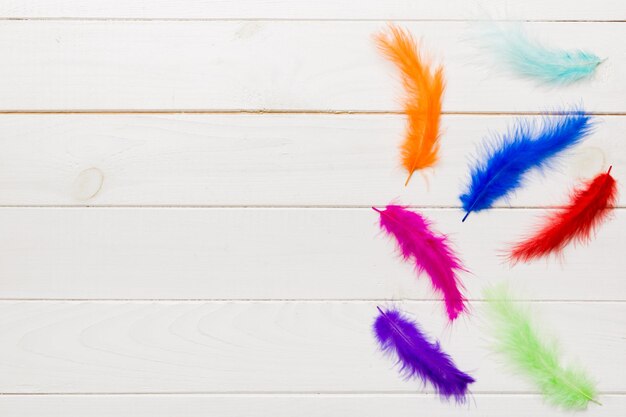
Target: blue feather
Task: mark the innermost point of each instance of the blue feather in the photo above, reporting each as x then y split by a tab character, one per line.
529	58
525	146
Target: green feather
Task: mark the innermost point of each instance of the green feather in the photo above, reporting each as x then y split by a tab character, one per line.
516	338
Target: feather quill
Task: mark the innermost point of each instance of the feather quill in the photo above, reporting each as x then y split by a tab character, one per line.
429	252
516	339
526	146
424	86
513	48
418	358
589	206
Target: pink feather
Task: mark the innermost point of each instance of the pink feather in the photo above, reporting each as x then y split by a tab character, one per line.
429	251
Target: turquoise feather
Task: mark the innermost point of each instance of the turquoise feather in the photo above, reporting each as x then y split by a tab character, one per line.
529	58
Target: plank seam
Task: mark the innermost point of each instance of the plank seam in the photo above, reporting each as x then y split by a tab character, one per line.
294	300
284	19
282	393
280	112
269	207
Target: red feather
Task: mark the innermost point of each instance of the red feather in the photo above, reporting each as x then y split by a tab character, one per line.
589	206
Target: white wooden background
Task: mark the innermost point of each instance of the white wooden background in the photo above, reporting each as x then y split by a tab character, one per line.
184	207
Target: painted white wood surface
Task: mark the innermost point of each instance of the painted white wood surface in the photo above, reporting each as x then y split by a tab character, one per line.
287	347
320	9
263	160
237	253
232	265
276	65
288	405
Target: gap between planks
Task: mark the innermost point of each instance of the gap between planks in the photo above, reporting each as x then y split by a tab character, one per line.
265	207
407	393
285	112
283	19
293	300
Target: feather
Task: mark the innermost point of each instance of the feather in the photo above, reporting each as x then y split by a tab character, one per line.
589	206
516	339
527	57
424	88
527	145
429	251
418	358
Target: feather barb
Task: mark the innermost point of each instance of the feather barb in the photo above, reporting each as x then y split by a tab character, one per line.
526	56
419	358
588	207
430	252
526	146
516	338
424	87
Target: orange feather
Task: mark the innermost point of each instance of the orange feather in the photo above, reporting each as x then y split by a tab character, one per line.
424	88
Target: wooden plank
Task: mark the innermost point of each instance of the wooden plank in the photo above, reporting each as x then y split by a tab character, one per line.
287	347
483	405
320	9
279	65
270	160
276	254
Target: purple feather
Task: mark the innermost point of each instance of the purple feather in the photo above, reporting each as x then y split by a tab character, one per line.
429	251
418	358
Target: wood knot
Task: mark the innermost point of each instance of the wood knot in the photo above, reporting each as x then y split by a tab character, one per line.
87	184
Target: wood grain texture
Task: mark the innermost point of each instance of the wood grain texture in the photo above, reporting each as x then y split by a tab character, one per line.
227	264
263	160
288	405
279	65
319	9
287	347
276	254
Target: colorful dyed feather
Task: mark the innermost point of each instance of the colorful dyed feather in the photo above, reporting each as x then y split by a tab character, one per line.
516	338
589	206
418	358
424	88
428	251
527	57
526	146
